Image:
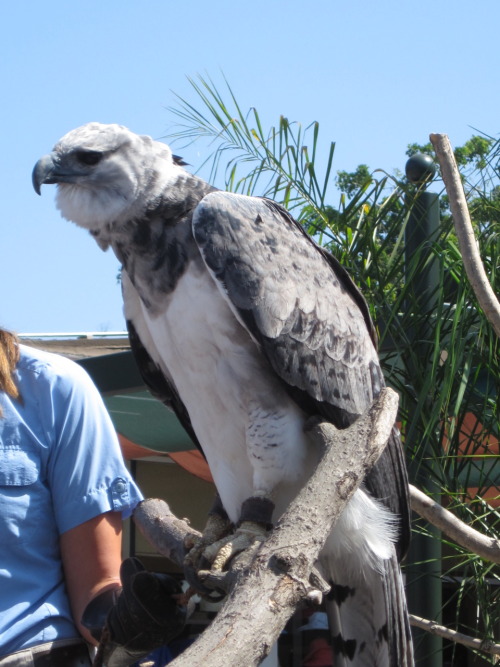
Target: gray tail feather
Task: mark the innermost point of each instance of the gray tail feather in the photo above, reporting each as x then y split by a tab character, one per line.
369	620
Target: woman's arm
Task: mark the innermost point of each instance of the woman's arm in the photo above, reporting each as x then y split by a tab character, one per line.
91	556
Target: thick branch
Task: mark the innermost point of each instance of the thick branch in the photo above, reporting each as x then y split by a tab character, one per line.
466	240
162	529
485	645
269	588
469	538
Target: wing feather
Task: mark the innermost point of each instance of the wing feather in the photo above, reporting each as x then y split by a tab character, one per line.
289	297
303	310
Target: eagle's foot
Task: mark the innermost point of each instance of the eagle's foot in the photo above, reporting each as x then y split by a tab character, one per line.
247	534
255	521
216	530
216	548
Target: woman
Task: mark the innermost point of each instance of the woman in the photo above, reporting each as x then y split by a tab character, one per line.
64	490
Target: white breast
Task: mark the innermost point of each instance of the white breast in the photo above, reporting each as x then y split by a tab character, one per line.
250	430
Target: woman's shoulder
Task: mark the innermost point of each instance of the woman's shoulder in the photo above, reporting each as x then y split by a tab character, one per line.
39	366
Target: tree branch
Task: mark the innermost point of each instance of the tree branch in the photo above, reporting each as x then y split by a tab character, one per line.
466	240
162	529
486	645
265	592
469	538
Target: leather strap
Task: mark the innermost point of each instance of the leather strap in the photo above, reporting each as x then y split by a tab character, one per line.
52	654
75	655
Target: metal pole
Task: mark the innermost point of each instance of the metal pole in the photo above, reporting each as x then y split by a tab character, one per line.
424	587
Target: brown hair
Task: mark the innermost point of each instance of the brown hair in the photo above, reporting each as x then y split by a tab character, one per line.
9	356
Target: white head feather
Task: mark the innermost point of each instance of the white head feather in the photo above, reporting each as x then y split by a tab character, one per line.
133	170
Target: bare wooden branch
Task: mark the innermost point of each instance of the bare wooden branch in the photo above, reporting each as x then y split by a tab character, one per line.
469	538
162	529
268	589
463	227
484	645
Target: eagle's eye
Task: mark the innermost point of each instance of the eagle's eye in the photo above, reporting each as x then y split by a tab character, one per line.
89	158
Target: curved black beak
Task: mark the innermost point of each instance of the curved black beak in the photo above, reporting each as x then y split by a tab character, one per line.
45	171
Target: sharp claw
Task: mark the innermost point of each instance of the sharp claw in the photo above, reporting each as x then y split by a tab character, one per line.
194	581
216	554
223	556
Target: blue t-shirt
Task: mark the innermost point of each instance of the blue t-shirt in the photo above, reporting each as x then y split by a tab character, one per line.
60	465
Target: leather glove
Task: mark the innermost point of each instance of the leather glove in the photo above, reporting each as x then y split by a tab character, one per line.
144	615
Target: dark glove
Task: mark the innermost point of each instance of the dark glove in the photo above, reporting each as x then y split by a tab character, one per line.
143	616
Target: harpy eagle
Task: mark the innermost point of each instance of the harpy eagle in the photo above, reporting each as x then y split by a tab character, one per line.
245	327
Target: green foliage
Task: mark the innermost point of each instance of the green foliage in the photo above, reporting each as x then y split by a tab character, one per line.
352	182
476	160
439	353
279	164
473	153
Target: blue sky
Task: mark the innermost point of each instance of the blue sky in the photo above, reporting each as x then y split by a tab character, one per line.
376	75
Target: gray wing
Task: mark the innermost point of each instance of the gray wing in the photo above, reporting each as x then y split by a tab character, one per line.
306	315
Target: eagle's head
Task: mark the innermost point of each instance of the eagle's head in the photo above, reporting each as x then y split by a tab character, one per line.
105	174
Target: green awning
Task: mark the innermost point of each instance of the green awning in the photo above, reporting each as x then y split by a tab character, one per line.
135	413
147	422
